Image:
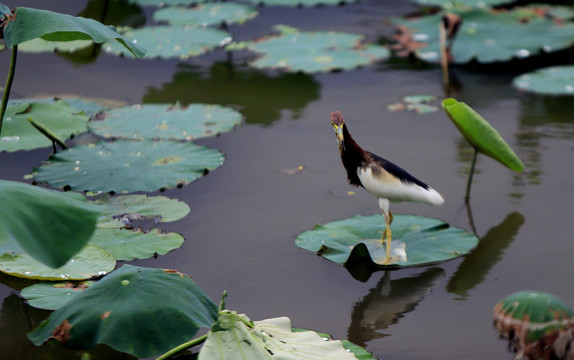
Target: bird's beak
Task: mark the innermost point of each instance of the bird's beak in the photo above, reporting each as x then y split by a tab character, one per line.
339	131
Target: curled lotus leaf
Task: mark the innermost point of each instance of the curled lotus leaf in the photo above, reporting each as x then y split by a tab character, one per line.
480	134
162	121
128	166
479	37
534	323
206	14
180	42
309	52
426	240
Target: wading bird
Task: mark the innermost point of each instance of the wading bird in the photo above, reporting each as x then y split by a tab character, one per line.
380	177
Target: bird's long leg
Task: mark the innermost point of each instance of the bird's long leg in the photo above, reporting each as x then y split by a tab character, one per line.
384	204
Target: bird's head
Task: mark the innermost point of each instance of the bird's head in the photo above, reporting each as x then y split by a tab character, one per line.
337	122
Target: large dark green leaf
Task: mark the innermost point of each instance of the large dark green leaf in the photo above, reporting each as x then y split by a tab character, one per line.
51	226
480	134
28	24
427	240
128	166
163	121
140	311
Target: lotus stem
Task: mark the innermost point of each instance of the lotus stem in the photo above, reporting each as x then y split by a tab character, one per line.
183	347
443	52
8	86
469	183
48	133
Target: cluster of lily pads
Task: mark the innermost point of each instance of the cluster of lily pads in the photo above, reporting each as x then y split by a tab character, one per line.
530	30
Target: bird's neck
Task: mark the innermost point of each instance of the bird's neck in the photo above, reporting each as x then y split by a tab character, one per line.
353	156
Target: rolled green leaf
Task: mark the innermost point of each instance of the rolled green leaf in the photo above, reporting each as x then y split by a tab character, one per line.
480	134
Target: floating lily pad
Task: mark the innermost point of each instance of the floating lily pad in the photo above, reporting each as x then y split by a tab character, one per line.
207	14
479	37
427	240
480	134
128	166
125	244
448	4
532	321
417	103
90	262
267	339
151	121
171	41
556	80
120	211
40	45
159	3
52	296
295	3
166	308
294	50
58	116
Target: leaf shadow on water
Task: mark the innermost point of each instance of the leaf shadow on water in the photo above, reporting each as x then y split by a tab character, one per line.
223	83
490	250
389	301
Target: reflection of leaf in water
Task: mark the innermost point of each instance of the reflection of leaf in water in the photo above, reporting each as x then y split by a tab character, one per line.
388	302
473	270
244	88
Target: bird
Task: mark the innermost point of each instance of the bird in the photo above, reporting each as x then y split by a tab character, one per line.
380	177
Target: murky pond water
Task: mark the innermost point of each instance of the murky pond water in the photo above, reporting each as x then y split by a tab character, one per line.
246	214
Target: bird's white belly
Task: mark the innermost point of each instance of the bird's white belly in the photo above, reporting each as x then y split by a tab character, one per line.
384	185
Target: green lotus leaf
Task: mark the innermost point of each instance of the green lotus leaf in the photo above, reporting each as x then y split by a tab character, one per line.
207	14
58	116
309	52
236	337
119	211
52	296
448	4
427	240
171	41
28	24
140	311
480	134
295	3
128	166
556	80
479	37
159	3
51	226
531	316
152	121
125	244
40	45
90	262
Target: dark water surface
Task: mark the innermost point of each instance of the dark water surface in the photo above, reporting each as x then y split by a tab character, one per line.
246	214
